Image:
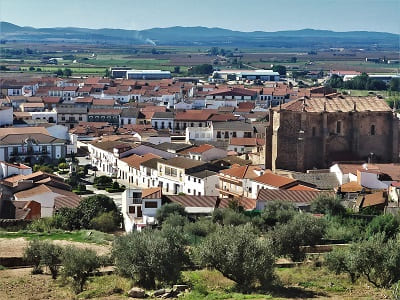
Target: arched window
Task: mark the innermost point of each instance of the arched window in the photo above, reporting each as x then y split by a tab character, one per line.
372	130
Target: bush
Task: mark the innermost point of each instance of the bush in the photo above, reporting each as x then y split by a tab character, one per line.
202	227
233	218
324	204
62	166
79	265
386	224
275	212
375	259
175	220
51	257
239	254
43	168
344	228
302	230
103	181
91	207
106	222
150	255
32	255
44	224
168	209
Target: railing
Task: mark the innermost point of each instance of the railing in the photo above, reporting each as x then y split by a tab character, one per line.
29	153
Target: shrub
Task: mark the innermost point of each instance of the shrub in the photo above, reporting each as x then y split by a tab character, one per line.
302	230
239	254
168	209
32	255
231	217
386	224
91	207
375	259
344	228
103	180
275	212
175	220
44	224
151	255
202	227
62	166
106	222
79	265
324	204
51	257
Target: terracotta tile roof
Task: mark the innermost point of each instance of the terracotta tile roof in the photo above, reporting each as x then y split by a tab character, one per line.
87	99
301	187
200	149
241	172
193	115
70	201
223	117
290	196
49	99
349	168
274	180
194	201
146	193
182	162
351	187
42	189
337	104
374	199
103	102
135	160
243	142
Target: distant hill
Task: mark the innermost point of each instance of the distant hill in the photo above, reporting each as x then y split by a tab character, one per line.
203	36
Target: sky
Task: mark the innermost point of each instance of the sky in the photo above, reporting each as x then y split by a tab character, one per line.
242	15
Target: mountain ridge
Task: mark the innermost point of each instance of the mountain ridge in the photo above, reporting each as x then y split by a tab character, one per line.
200	36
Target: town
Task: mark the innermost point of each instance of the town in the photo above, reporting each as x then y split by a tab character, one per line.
207	177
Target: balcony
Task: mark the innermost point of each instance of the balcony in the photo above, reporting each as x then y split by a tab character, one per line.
29	153
227	191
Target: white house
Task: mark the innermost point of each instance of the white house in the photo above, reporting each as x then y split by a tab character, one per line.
201	183
7	169
139	208
345	172
6	116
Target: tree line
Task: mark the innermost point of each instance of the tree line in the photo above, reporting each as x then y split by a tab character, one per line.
363	82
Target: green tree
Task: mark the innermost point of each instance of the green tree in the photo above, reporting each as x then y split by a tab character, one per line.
106	221
386	224
375	259
31	68
62	166
276	212
325	204
168	209
103	180
91	207
202	227
59	72
32	255
280	69
293	59
79	264
51	256
177	69
302	230
394	85
334	82
239	254
151	255
67	72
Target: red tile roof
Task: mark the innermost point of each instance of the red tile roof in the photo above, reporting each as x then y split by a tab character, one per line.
274	180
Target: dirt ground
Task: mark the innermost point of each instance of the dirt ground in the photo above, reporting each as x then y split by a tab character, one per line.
15	247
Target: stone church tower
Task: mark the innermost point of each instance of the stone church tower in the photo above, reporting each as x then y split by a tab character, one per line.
312	133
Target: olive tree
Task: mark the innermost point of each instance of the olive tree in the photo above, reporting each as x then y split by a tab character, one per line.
239	254
151	255
51	256
276	212
169	209
79	264
326	204
302	230
375	259
32	255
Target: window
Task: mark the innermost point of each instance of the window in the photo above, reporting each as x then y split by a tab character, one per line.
188	191
234	134
63	118
372	130
191	124
194	192
218	134
132	209
338	127
80	118
150	204
314	131
200	124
